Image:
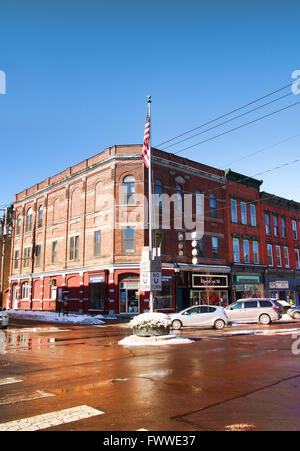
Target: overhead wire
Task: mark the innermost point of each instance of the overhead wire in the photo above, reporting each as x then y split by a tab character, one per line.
226	114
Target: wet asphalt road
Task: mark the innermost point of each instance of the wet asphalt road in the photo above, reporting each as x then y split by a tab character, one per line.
224	380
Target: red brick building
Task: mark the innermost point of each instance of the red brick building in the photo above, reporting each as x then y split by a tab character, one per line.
245	252
281	246
78	236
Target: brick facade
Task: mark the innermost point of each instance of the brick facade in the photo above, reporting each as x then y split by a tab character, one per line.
54	264
78	236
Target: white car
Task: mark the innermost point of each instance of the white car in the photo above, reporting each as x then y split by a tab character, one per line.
200	316
3	319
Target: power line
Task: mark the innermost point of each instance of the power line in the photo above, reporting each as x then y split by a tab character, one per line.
238	127
229	120
261	150
226	114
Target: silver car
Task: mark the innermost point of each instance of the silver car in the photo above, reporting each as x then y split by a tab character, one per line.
254	310
3	319
200	316
294	312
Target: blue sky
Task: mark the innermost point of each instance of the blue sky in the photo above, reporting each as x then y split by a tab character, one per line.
78	74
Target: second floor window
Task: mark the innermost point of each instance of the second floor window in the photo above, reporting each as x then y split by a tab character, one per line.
255	252
16	262
236	250
159	241
54	252
74	242
201	247
129	239
286	257
278	256
297	256
158	191
246	251
270	254
38	255
97	240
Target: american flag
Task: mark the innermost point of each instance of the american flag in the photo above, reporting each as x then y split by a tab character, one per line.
146	146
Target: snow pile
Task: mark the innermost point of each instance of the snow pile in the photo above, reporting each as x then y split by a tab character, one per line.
155	320
55	317
134	340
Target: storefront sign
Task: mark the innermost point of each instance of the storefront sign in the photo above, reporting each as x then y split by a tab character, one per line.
279	285
206	280
247	280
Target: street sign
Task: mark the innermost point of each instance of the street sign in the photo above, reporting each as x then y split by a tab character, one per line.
150	272
150	281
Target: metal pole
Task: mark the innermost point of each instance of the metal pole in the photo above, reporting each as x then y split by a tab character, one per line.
151	300
4	231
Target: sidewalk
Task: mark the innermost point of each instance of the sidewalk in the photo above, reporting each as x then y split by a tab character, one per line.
56	317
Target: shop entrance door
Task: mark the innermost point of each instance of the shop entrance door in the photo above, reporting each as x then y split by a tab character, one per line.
129	297
15	296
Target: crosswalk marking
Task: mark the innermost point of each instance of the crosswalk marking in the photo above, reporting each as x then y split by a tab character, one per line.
51	419
9	380
13	399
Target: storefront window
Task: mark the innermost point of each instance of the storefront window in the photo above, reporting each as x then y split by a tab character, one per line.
96	298
163	298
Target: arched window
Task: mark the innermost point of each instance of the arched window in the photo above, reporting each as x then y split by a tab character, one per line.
129	190
29	220
18	228
158	190
179	197
40	217
213	206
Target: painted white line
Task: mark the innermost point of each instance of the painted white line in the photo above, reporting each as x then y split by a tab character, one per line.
10	380
36	329
13	399
51	419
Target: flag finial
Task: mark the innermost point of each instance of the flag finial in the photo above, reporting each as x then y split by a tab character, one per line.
149	99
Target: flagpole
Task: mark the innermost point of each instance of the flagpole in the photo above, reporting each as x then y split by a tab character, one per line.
150	182
151	300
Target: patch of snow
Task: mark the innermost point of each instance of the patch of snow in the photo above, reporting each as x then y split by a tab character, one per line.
134	340
55	317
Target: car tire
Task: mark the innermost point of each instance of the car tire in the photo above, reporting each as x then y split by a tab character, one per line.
296	315
219	324
176	324
264	319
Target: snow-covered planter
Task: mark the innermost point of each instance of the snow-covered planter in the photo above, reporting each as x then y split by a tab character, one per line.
149	324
